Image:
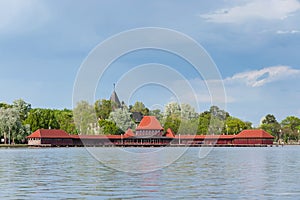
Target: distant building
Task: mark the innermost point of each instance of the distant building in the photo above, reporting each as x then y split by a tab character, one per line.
149	133
115	100
137	117
149	126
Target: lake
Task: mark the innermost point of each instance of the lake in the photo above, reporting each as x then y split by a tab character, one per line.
78	173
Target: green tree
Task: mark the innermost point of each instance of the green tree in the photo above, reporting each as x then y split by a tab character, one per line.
22	107
11	127
173	110
271	125
188	112
109	127
139	107
122	118
85	118
290	128
157	113
173	123
212	121
39	118
234	125
204	121
65	120
188	127
103	108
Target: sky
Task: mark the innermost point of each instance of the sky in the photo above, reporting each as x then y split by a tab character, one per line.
255	46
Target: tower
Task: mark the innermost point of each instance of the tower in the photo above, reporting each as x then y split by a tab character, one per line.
115	99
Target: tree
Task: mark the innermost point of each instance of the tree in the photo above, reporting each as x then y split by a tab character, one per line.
235	125
270	124
5	105
157	113
173	123
41	119
218	113
22	107
85	118
65	120
290	128
172	109
291	122
103	108
121	117
109	127
139	107
188	127
212	121
204	121
188	112
11	126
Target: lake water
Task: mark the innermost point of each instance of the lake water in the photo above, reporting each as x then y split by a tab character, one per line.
225	173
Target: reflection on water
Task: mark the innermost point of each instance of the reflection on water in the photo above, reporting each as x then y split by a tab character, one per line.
225	173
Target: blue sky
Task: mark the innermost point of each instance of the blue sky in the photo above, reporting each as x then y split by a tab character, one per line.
255	45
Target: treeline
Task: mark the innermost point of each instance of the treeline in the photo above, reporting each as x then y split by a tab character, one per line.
18	120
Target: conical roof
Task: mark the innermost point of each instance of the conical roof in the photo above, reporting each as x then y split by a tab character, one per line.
115	99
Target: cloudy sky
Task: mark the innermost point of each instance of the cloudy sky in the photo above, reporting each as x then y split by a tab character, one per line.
255	46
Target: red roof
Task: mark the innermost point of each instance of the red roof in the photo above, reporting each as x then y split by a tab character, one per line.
49	133
170	133
254	134
202	137
149	123
96	136
129	133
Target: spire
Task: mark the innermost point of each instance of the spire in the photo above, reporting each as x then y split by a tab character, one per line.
115	99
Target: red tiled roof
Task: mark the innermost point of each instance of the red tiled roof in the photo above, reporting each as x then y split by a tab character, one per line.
149	123
170	133
96	136
254	134
49	133
129	133
202	137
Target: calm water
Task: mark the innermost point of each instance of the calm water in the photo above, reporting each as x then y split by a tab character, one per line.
225	173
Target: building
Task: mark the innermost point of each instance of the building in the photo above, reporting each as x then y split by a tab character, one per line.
149	126
149	133
49	137
115	100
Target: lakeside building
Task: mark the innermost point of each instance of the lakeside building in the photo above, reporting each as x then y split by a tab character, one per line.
148	133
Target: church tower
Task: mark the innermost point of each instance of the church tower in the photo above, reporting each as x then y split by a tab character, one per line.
115	99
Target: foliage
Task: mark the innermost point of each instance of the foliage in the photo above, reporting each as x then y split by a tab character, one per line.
85	118
188	127
66	121
22	107
103	108
212	121
121	117
39	118
173	123
109	127
204	121
234	125
290	128
157	113
188	112
270	124
172	110
11	127
139	107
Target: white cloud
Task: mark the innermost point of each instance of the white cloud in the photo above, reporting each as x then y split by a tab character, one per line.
287	31
260	77
254	10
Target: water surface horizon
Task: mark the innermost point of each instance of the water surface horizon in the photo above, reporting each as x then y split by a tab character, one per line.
225	173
